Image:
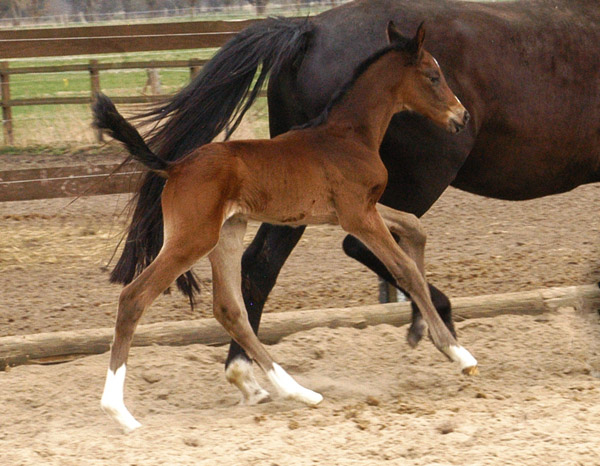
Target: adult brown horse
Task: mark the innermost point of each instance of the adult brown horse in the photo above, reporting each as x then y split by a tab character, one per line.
329	172
527	71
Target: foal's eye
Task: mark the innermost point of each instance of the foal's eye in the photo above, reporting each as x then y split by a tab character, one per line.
434	79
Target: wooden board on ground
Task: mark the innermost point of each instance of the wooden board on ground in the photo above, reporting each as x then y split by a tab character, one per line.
63	346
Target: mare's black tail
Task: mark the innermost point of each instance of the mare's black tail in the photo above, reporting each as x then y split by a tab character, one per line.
214	101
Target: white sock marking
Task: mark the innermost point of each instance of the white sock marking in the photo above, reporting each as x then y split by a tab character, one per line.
112	400
462	356
240	372
289	388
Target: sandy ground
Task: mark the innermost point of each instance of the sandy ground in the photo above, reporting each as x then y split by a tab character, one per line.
536	400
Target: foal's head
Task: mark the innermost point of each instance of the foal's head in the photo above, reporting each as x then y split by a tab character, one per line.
423	88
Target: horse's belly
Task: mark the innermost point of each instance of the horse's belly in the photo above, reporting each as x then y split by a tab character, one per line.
510	169
302	213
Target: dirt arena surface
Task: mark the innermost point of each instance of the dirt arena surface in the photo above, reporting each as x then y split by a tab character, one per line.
536	400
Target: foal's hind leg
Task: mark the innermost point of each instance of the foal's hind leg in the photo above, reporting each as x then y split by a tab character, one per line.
370	228
354	248
135	298
229	309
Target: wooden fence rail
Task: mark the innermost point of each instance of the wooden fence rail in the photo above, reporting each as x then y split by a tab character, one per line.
89	40
94	68
53	182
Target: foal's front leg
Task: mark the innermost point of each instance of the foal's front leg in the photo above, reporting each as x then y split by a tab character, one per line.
229	309
411	238
408	271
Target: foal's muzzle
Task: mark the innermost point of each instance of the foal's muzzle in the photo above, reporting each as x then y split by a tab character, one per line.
458	122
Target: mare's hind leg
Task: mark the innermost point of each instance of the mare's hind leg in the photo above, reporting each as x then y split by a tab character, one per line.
354	248
370	228
228	307
175	258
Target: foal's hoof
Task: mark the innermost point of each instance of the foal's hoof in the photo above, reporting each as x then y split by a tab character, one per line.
121	415
306	396
473	370
290	389
468	364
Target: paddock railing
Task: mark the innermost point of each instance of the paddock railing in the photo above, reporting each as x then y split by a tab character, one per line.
94	68
92	40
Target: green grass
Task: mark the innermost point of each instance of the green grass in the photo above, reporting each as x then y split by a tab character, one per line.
70	124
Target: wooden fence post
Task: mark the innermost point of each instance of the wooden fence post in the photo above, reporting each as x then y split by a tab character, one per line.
194	68
7	124
95	89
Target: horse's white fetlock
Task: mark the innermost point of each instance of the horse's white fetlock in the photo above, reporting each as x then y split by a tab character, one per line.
240	372
112	400
289	388
466	361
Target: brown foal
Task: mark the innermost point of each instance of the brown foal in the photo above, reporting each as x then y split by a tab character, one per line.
327	172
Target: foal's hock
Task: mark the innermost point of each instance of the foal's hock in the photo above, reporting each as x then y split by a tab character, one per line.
326	172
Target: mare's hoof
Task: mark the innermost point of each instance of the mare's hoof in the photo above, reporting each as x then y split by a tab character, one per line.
413	339
259	397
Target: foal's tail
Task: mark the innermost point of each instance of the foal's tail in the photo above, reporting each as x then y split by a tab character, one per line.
214	101
108	119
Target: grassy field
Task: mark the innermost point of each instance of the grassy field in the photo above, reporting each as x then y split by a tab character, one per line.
70	124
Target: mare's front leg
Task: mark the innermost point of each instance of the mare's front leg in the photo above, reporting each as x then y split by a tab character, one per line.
370	228
261	264
229	309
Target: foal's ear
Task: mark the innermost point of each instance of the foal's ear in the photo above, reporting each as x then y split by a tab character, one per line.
415	45
393	34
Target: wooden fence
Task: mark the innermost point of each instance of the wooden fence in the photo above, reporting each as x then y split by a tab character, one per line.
94	68
27	43
52	182
90	40
50	348
72	181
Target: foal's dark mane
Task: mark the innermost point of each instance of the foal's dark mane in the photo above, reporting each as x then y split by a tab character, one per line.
358	72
